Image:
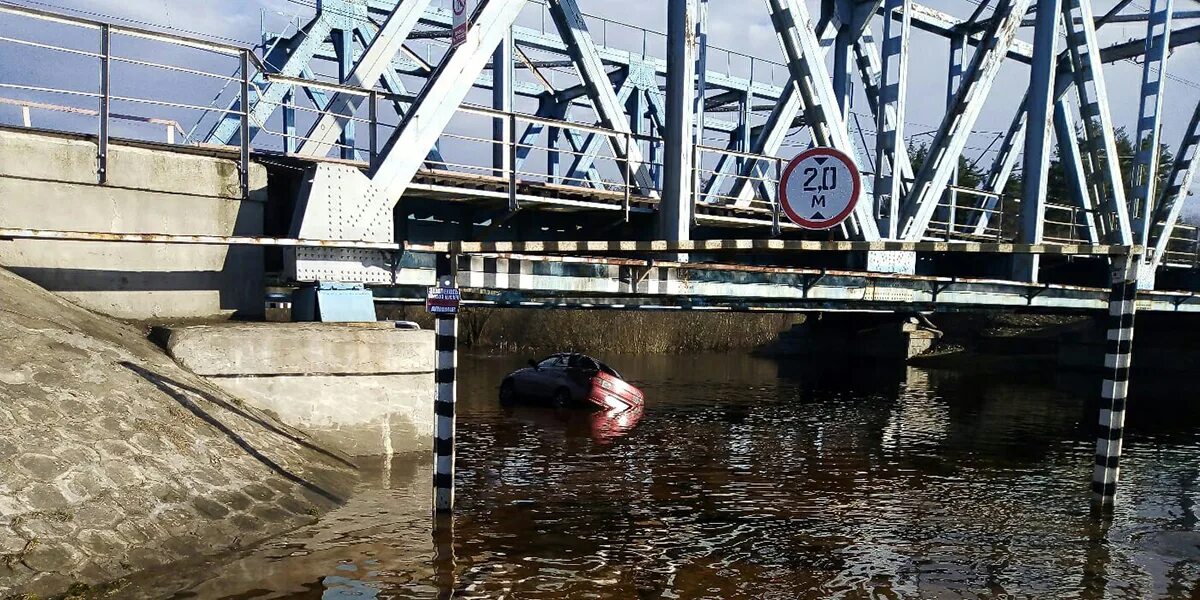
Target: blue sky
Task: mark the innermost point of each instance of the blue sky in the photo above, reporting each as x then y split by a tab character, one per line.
739	24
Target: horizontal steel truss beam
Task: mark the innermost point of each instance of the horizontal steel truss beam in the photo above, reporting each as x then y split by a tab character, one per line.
494	266
732	246
1134	18
1135	48
797	286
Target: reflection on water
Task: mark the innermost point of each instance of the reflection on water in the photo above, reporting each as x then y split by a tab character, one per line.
747	478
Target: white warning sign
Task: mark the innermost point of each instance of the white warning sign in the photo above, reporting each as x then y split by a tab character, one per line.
461	10
819	188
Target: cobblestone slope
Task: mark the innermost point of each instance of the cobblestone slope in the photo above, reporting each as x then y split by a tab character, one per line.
114	459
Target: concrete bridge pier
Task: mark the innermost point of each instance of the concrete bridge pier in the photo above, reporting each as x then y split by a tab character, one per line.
1122	305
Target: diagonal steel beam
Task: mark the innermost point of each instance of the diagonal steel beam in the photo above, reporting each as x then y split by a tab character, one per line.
889	114
1144	177
1000	171
794	27
292	57
583	166
956	128
1006	160
568	19
638	78
1179	184
372	65
438	101
782	118
1072	163
1103	163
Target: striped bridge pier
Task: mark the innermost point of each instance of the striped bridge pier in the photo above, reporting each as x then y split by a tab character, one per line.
1118	355
446	380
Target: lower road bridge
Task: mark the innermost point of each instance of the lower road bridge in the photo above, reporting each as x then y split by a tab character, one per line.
540	166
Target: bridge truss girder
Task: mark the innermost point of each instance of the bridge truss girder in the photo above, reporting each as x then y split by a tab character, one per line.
819	104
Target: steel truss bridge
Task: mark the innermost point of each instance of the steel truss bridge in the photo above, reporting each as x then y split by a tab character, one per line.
537	129
604	190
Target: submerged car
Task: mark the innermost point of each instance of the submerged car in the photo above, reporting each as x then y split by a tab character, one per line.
569	379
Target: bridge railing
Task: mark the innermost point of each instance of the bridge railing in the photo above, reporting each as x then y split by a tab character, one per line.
743	180
963	214
552	153
1183	249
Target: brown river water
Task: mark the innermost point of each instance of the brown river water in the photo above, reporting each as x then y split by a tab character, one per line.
751	478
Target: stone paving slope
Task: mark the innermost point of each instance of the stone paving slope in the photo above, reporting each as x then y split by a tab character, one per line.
114	459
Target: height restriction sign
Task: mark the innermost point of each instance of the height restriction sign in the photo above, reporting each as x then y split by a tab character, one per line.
819	188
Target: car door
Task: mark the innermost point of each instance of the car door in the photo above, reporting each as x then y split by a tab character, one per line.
580	371
545	380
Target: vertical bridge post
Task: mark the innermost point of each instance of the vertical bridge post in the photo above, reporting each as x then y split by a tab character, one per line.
445	378
1118	349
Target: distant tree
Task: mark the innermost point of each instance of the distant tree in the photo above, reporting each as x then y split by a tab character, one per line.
1057	188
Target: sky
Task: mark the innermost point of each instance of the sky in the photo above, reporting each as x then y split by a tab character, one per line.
743	25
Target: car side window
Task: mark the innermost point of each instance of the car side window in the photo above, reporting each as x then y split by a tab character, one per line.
551	363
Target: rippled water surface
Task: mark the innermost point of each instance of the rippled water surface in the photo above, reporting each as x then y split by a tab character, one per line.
748	478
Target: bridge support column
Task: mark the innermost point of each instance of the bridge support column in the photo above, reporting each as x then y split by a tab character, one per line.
445	377
675	213
1040	105
1122	304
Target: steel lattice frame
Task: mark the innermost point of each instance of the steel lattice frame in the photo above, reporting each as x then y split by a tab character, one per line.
647	97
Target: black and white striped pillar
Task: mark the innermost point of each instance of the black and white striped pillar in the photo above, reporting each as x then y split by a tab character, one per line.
1118	352
446	344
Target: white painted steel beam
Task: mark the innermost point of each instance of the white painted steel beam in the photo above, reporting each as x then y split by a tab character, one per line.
889	114
374	63
436	104
794	28
569	21
1102	162
1178	188
956	128
1144	178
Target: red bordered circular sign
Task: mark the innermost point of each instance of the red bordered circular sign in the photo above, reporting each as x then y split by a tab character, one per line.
819	188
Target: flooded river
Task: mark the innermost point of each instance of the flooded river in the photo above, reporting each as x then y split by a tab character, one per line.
750	478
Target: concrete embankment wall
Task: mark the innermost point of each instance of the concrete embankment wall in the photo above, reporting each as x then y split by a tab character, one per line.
114	459
363	389
49	181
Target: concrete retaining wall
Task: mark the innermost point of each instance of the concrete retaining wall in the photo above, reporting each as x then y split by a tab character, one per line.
114	459
49	181
363	389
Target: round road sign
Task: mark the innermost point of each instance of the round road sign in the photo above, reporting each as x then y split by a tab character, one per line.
819	188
